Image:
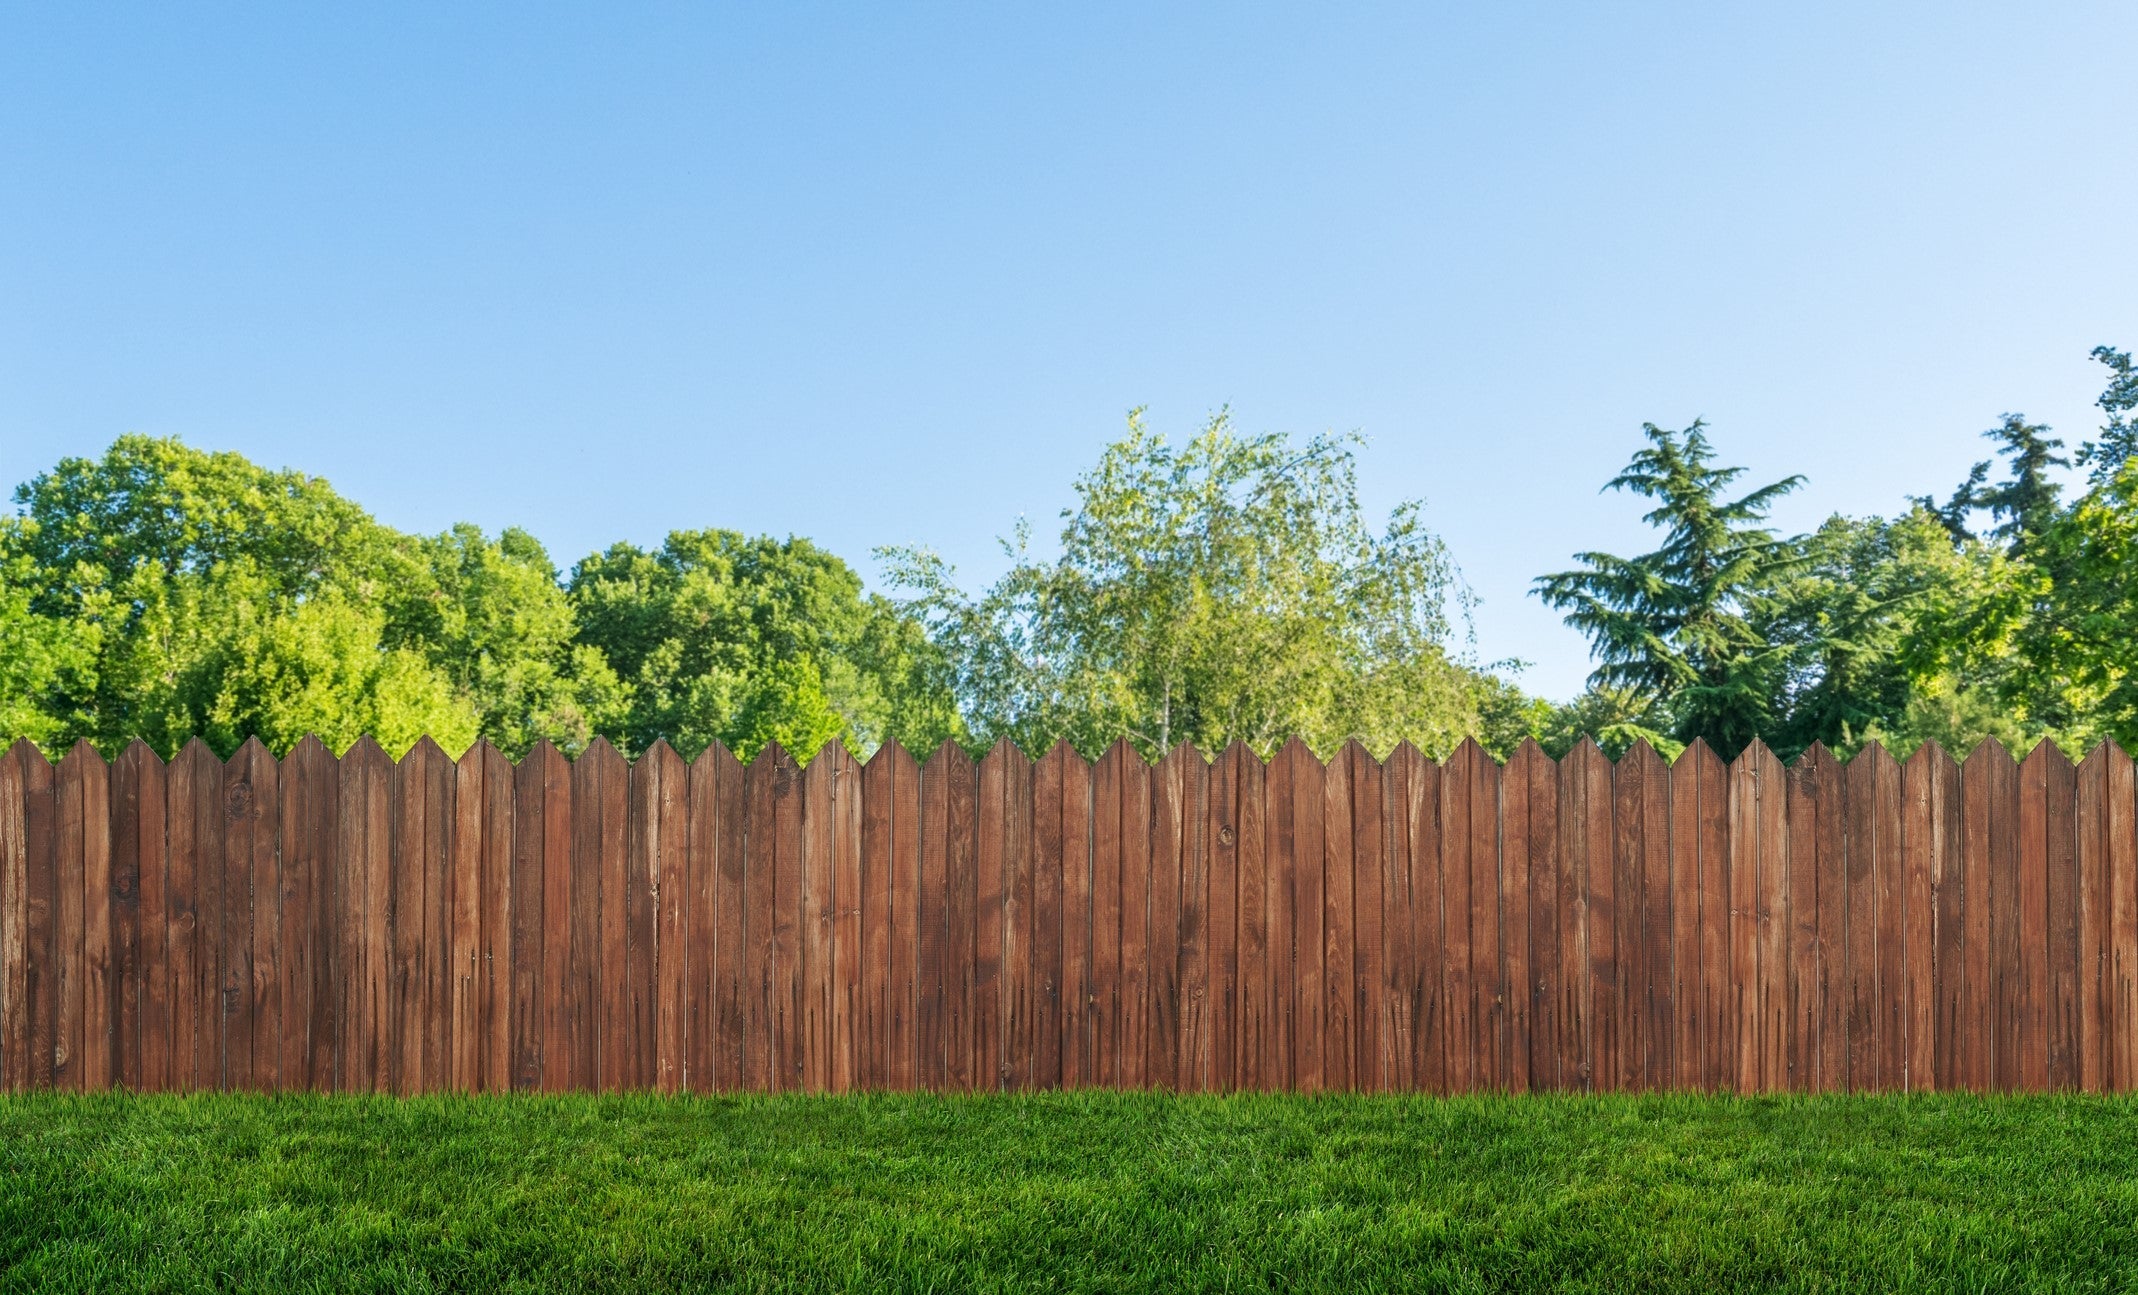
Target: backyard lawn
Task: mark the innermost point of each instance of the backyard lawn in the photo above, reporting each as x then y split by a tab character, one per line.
1068	1191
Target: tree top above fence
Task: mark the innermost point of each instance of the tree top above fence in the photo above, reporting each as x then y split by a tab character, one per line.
1469	752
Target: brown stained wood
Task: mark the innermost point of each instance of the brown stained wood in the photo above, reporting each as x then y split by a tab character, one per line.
2059	977
1280	1067
421	853
761	847
932	972
1584	797
1468	1046
2091	839
534	986
42	954
1007	776
960	914
1777	1048
788	973
1800	809
1658	926
1253	1068
2006	1022
1310	920
1191	1064
1540	990
989	1017
1818	827
664	1047
1429	1017
1949	921
718	820
1400	997
466	1019
498	918
1691	1025
2038	777
1132	813
1106	927
2121	970
905	918
364	849
14	913
311	813
846	892
1080	1014
1222	831
631	1001
1635	771
136	778
877	933
1745	943
251	922
1860	1061
1919	854
1589	833
1370	1068
1339	946
83	787
819	814
1888	867
584	914
196	792
1047	1061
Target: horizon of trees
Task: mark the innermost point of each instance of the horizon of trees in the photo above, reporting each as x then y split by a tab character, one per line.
1226	588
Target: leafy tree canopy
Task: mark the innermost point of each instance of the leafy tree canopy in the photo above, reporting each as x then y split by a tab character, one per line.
1226	588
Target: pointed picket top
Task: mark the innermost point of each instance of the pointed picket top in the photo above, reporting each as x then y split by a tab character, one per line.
1989	751
948	757
1295	751
1408	753
1759	758
251	759
1645	758
1929	755
1471	753
1816	756
1003	749
602	752
1118	752
891	754
1585	755
25	750
544	754
772	756
835	758
2047	753
1529	754
1239	753
363	754
716	756
425	757
2104	755
663	758
309	747
480	750
1354	751
196	753
1184	755
137	754
83	752
1060	752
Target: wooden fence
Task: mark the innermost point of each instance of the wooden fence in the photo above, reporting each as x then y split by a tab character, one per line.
358	924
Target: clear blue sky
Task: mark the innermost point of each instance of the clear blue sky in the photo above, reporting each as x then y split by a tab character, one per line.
893	274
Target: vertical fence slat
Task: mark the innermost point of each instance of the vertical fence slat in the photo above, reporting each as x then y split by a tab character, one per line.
961	915
2091	822
466	1027
846	893
1369	948
14	923
718	819
1079	996
1191	1039
85	893
990	910
932	1008
1132	814
1223	956
672	883
1256	1030
2121	861
1119	1023
1532	797
1019	1000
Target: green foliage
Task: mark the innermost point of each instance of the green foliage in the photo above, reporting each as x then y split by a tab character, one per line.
1226	589
719	636
2118	443
1678	626
1083	1191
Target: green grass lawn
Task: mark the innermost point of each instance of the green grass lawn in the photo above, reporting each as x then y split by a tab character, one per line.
1074	1192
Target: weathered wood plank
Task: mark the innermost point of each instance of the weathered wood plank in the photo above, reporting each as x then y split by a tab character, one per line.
2060	920
14	923
1369	978
1339	945
83	788
960	914
846	895
1112	1010
718	821
1080	1021
43	954
1223	961
990	934
668	873
1048	1022
311	1003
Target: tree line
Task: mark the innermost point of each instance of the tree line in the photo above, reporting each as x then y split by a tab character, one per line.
1226	587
